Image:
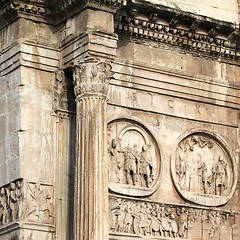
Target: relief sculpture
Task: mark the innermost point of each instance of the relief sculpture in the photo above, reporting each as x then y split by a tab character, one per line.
145	219
39	203
134	159
11	197
203	170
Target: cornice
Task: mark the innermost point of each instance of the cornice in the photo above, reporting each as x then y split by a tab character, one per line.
10	10
51	11
138	20
143	21
68	8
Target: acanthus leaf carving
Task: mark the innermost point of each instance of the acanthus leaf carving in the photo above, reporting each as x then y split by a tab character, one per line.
91	77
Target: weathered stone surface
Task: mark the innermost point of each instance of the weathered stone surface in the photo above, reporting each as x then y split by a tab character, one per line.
119	120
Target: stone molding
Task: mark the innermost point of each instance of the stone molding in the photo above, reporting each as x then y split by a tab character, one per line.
91	78
145	21
20	54
50	11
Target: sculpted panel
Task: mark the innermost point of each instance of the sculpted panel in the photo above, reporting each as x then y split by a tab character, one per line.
203	170
38	205
11	197
133	218
134	158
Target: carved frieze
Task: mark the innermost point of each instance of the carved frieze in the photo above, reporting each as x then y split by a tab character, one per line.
137	218
91	77
134	158
203	170
11	197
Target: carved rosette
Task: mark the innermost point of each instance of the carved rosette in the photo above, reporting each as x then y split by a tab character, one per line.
133	157
91	78
203	169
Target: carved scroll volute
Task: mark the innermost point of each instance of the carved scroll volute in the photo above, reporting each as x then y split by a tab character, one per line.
91	78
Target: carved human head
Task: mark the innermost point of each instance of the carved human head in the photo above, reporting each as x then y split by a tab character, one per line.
115	142
220	158
2	191
19	184
144	148
12	186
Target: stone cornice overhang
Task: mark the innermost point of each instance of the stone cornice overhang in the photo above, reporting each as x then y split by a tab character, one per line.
143	21
10	10
53	12
138	20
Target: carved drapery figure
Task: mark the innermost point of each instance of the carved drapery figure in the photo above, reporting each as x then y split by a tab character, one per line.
116	161
13	201
4	196
131	161
145	167
221	178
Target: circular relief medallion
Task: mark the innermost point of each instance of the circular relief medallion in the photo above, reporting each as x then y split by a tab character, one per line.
203	170
134	158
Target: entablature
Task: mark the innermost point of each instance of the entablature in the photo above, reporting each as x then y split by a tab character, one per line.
146	21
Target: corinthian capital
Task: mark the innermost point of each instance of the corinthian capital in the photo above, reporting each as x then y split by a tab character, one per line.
91	77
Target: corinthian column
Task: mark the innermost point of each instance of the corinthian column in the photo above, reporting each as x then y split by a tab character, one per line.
91	79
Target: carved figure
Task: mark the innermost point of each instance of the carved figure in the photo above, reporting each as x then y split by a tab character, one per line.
156	227
117	161
19	196
13	201
128	218
182	222
131	160
115	213
4	196
168	223
145	220
221	176
181	171
202	174
145	167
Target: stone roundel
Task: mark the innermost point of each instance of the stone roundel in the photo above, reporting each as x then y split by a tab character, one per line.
203	170
134	158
